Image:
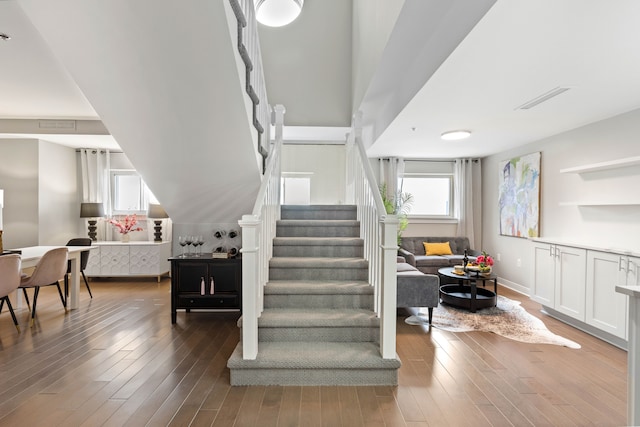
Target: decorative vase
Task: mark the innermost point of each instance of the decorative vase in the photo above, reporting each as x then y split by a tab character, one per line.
124	238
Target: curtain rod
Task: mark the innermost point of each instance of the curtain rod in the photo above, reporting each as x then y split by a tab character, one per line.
95	150
429	160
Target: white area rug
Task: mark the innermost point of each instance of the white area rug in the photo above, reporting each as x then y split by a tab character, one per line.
508	319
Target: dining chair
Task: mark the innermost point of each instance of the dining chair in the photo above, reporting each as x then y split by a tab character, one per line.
84	258
51	268
9	282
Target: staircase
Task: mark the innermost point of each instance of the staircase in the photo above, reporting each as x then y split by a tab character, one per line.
318	326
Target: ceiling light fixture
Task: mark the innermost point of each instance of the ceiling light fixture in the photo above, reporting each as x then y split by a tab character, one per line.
5	37
277	13
455	135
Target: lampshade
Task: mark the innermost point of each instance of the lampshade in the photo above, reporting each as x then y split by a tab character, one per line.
91	210
277	13
156	211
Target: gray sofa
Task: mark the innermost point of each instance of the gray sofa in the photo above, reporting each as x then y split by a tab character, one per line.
412	249
416	289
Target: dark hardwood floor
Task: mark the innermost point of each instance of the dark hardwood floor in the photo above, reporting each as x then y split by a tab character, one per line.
118	361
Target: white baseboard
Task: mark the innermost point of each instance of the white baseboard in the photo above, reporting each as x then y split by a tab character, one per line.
513	286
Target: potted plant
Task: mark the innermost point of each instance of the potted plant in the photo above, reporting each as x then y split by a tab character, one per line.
400	205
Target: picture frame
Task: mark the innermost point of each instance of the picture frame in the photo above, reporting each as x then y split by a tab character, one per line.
519	196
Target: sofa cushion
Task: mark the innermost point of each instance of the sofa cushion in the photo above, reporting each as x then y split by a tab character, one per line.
431	260
457	259
403	267
442	248
415	245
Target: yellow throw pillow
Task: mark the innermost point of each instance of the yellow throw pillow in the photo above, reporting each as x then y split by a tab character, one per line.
437	248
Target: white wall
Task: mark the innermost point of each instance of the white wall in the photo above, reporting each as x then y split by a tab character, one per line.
307	64
41	205
606	227
19	179
58	206
327	166
373	21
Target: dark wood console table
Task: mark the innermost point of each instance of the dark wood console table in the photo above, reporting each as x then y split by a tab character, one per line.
187	291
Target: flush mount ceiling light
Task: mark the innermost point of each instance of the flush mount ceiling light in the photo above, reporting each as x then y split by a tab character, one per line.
455	135
277	13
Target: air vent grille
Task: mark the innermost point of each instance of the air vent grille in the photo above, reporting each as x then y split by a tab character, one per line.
57	124
542	98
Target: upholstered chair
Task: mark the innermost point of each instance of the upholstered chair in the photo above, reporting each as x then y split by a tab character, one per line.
84	258
51	268
9	282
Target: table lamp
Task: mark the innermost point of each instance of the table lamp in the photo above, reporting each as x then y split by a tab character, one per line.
92	211
157	213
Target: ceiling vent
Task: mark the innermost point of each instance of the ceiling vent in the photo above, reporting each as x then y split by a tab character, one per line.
542	98
57	124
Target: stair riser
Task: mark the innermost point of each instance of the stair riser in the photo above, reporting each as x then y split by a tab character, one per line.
307	231
292	273
318	301
355	334
319	251
302	377
318	214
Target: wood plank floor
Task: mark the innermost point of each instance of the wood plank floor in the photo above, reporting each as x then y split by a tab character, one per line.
118	361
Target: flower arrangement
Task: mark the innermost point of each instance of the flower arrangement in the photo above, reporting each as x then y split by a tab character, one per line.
127	225
484	261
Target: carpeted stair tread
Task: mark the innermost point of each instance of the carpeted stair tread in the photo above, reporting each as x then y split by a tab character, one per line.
317	262
318	241
318	223
312	355
308	318
318	212
316	287
316	208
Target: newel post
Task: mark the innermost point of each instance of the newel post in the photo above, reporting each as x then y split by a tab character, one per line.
389	252
250	285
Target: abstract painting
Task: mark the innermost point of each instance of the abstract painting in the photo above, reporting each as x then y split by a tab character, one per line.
519	198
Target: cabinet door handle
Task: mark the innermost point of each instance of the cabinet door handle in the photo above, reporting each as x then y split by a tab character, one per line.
551	250
620	264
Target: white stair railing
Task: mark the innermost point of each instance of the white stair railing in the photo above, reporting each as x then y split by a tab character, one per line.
258	231
379	231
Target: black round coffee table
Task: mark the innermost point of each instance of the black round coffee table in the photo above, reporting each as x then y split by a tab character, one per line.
466	294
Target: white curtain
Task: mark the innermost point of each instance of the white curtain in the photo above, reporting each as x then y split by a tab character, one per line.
391	174
95	165
468	188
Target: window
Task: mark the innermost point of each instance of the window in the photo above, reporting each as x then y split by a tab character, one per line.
432	194
431	184
129	193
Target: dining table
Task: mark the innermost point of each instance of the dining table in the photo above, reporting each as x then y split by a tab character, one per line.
32	254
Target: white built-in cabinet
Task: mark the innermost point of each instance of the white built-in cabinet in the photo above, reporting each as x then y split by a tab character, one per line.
580	283
559	278
116	259
606	308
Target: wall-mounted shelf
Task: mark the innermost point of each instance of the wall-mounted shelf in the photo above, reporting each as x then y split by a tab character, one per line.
587	204
612	164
